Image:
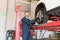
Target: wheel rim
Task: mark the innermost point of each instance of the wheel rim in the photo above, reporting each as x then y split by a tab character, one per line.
40	16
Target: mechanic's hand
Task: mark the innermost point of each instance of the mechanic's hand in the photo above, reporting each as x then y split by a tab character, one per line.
33	18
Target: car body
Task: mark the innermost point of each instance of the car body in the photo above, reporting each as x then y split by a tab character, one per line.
49	8
50	4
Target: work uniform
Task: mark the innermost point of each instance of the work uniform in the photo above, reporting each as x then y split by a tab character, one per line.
26	34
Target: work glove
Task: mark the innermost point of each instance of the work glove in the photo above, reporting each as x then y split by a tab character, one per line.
33	18
37	19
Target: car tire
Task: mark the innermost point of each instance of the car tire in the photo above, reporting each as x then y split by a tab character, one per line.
45	16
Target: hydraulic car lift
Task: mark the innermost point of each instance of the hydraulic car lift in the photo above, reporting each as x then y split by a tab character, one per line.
52	26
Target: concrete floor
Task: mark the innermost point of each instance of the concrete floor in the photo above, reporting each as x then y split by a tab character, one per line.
42	39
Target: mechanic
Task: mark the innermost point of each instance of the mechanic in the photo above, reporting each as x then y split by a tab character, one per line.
26	23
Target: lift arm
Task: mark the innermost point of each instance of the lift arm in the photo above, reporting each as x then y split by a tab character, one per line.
52	26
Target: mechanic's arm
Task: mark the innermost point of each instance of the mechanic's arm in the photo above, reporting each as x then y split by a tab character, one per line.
29	22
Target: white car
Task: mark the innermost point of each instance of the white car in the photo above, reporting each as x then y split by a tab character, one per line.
47	8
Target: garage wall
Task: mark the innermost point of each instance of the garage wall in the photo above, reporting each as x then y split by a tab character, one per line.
3	5
8	23
11	15
33	6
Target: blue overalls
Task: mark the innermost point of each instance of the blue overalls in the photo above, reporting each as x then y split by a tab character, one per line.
26	35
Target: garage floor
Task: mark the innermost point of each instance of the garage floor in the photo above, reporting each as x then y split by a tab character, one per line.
42	39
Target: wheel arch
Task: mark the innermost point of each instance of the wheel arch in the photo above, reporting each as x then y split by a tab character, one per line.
39	6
